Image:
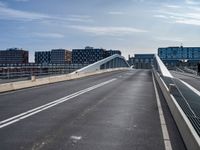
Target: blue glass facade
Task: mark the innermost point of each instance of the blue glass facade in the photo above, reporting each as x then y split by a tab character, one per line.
174	55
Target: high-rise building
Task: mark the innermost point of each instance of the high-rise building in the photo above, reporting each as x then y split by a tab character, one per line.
88	55
60	56
13	56
175	55
43	57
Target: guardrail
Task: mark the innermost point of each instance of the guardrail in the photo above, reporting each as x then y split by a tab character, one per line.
21	71
112	63
176	105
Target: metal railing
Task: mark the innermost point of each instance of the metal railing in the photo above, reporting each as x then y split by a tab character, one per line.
184	104
24	72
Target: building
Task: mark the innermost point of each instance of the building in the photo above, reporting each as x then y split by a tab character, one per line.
13	56
43	57
141	61
112	52
175	56
68	57
61	56
88	55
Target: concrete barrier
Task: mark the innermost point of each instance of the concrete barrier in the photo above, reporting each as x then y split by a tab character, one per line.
6	87
47	80
23	84
188	133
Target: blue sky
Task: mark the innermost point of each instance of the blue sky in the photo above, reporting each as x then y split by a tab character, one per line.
133	26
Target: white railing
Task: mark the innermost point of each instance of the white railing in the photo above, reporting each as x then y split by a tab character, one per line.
161	67
188	133
97	65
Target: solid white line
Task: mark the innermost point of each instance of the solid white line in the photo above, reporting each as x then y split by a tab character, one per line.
31	112
190	87
165	132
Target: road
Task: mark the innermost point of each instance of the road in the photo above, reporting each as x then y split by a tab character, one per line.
190	79
189	88
110	111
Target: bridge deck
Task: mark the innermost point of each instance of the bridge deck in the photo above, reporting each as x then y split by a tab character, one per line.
119	113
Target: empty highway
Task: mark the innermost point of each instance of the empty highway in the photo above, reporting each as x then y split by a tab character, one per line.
111	111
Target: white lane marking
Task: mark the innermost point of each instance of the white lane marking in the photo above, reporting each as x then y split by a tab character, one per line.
40	107
165	132
190	87
31	112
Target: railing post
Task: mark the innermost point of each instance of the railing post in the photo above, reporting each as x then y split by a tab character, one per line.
172	88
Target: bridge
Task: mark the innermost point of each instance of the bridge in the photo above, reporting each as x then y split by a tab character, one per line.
104	106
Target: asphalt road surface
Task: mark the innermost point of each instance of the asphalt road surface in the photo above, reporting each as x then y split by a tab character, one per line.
190	79
110	111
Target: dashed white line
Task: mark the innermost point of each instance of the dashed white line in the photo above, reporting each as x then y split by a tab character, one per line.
31	112
165	133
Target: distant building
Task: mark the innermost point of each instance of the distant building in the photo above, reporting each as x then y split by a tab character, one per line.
88	55
61	56
141	61
68	57
13	56
43	57
173	56
112	52
91	55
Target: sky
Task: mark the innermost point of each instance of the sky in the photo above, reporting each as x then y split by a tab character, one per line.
132	26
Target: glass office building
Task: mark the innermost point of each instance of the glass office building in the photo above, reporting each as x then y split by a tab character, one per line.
61	56
112	52
173	56
43	57
90	55
13	56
